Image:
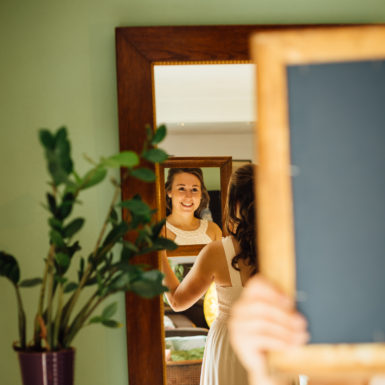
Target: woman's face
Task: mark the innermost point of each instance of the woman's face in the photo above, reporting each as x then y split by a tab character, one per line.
185	193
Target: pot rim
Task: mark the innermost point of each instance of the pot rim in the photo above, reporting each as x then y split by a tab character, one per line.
32	352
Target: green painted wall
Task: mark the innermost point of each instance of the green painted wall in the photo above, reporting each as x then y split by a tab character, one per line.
57	66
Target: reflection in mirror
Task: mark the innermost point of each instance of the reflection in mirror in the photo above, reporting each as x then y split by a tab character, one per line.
209	112
211	186
188	225
209	109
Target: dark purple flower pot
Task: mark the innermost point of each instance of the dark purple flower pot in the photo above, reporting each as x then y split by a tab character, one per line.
47	368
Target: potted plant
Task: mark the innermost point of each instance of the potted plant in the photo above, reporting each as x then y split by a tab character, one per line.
66	304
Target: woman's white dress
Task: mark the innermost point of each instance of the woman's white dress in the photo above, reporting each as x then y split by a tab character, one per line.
191	237
220	365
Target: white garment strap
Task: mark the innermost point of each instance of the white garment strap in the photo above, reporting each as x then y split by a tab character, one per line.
235	275
203	224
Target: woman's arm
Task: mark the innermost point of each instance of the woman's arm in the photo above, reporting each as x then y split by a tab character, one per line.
182	295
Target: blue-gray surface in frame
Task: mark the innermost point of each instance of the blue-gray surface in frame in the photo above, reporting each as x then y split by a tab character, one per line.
337	134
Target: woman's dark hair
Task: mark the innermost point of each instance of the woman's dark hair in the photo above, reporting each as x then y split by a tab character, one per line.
240	215
194	171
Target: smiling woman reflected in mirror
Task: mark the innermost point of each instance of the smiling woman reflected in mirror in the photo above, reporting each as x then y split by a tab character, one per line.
229	262
186	201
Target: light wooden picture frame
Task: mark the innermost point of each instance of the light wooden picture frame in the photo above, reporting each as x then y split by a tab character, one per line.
273	52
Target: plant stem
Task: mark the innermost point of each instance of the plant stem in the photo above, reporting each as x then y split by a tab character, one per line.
56	343
114	199
41	298
22	319
75	327
50	300
72	301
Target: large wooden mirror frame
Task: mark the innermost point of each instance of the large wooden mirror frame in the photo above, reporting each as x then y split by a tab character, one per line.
137	49
223	163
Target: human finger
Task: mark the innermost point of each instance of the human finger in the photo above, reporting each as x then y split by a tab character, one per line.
258	287
261	309
255	330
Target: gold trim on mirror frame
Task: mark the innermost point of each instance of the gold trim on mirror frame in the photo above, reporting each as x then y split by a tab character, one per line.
202	62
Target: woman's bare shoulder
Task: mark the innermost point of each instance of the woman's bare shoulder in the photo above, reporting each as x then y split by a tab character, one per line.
214	229
212	250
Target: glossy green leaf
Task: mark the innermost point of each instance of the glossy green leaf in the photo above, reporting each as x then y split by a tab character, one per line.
111	323
165	244
96	319
144	174
155	155
62	259
58	157
71	286
63	150
149	285
127	254
157	228
114	216
65	209
123	159
47	139
160	134
81	268
110	310
116	233
93	177
120	282
136	206
55	224
73	227
56	238
30	282
9	268
51	203
71	250
60	279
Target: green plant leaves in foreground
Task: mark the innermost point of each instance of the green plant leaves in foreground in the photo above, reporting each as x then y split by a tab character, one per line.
62	259
9	268
58	305
58	154
105	317
155	155
73	227
123	159
30	282
110	310
140	211
159	135
93	177
144	174
149	285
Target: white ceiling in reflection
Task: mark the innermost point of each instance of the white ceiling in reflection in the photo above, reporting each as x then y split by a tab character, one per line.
204	93
209	109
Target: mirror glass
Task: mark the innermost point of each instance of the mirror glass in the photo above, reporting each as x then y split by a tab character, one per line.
194	211
209	111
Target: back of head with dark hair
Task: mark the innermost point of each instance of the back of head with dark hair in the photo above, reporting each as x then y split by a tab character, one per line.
240	215
194	171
